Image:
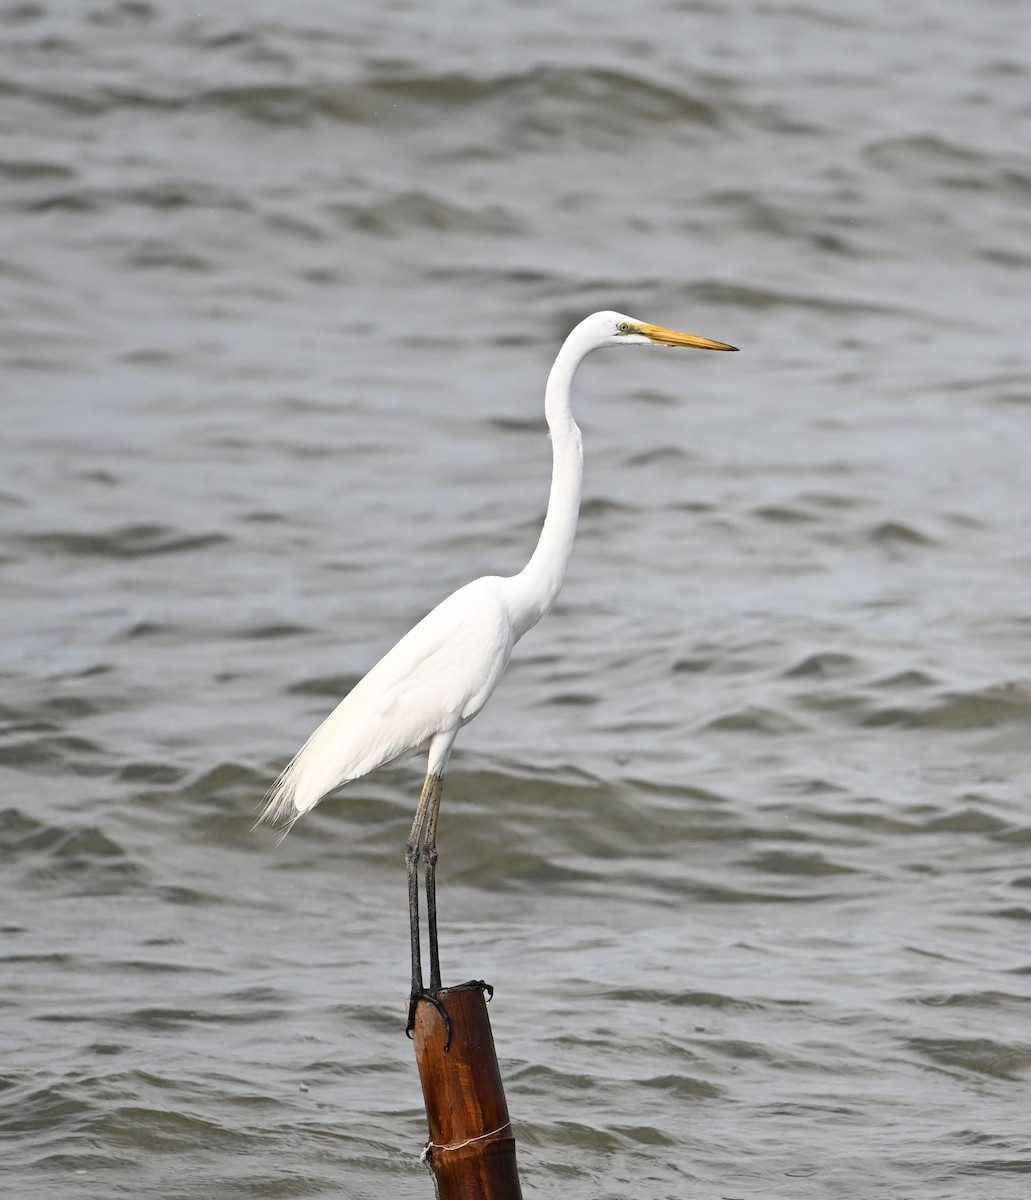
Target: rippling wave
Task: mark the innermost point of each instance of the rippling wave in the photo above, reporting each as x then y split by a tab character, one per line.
741	841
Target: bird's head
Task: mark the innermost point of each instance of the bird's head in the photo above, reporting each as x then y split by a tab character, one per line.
617	329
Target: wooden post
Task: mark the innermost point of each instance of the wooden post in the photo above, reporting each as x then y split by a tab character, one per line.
471	1150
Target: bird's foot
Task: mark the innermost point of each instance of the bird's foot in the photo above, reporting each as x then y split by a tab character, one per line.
481	984
430	996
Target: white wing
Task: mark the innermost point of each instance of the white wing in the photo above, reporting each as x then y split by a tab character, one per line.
437	677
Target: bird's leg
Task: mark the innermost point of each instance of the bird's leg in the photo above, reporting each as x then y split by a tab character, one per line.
412	851
436	787
412	848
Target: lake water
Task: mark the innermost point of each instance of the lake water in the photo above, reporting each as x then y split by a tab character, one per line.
743	841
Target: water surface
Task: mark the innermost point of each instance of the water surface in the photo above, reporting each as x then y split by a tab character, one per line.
742	839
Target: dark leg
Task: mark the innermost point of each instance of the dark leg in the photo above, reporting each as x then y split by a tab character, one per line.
428	802
412	867
431	879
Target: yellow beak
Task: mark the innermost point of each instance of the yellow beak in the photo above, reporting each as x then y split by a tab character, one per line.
670	337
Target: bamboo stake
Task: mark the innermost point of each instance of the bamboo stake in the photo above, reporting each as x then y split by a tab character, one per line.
471	1149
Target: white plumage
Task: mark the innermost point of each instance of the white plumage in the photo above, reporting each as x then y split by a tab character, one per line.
440	674
428	686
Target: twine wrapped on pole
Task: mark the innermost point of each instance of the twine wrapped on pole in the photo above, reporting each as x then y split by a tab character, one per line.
471	1149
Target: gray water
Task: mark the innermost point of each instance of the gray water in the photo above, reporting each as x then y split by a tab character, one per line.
743	841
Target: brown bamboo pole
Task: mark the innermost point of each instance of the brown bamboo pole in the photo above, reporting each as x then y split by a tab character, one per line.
471	1149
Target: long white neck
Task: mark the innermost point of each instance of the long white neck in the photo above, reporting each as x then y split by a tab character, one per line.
534	590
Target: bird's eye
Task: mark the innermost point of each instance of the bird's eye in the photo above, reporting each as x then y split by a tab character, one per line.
625	327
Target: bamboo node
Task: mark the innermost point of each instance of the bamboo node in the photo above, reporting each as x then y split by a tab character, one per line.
501	1131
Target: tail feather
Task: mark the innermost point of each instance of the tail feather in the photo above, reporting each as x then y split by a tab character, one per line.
342	748
302	784
376	723
278	808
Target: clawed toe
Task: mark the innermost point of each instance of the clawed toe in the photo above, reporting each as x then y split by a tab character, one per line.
482	984
431	998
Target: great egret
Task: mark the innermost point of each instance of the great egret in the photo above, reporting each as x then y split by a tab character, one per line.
440	674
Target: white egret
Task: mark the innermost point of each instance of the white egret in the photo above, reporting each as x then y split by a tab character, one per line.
440	674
